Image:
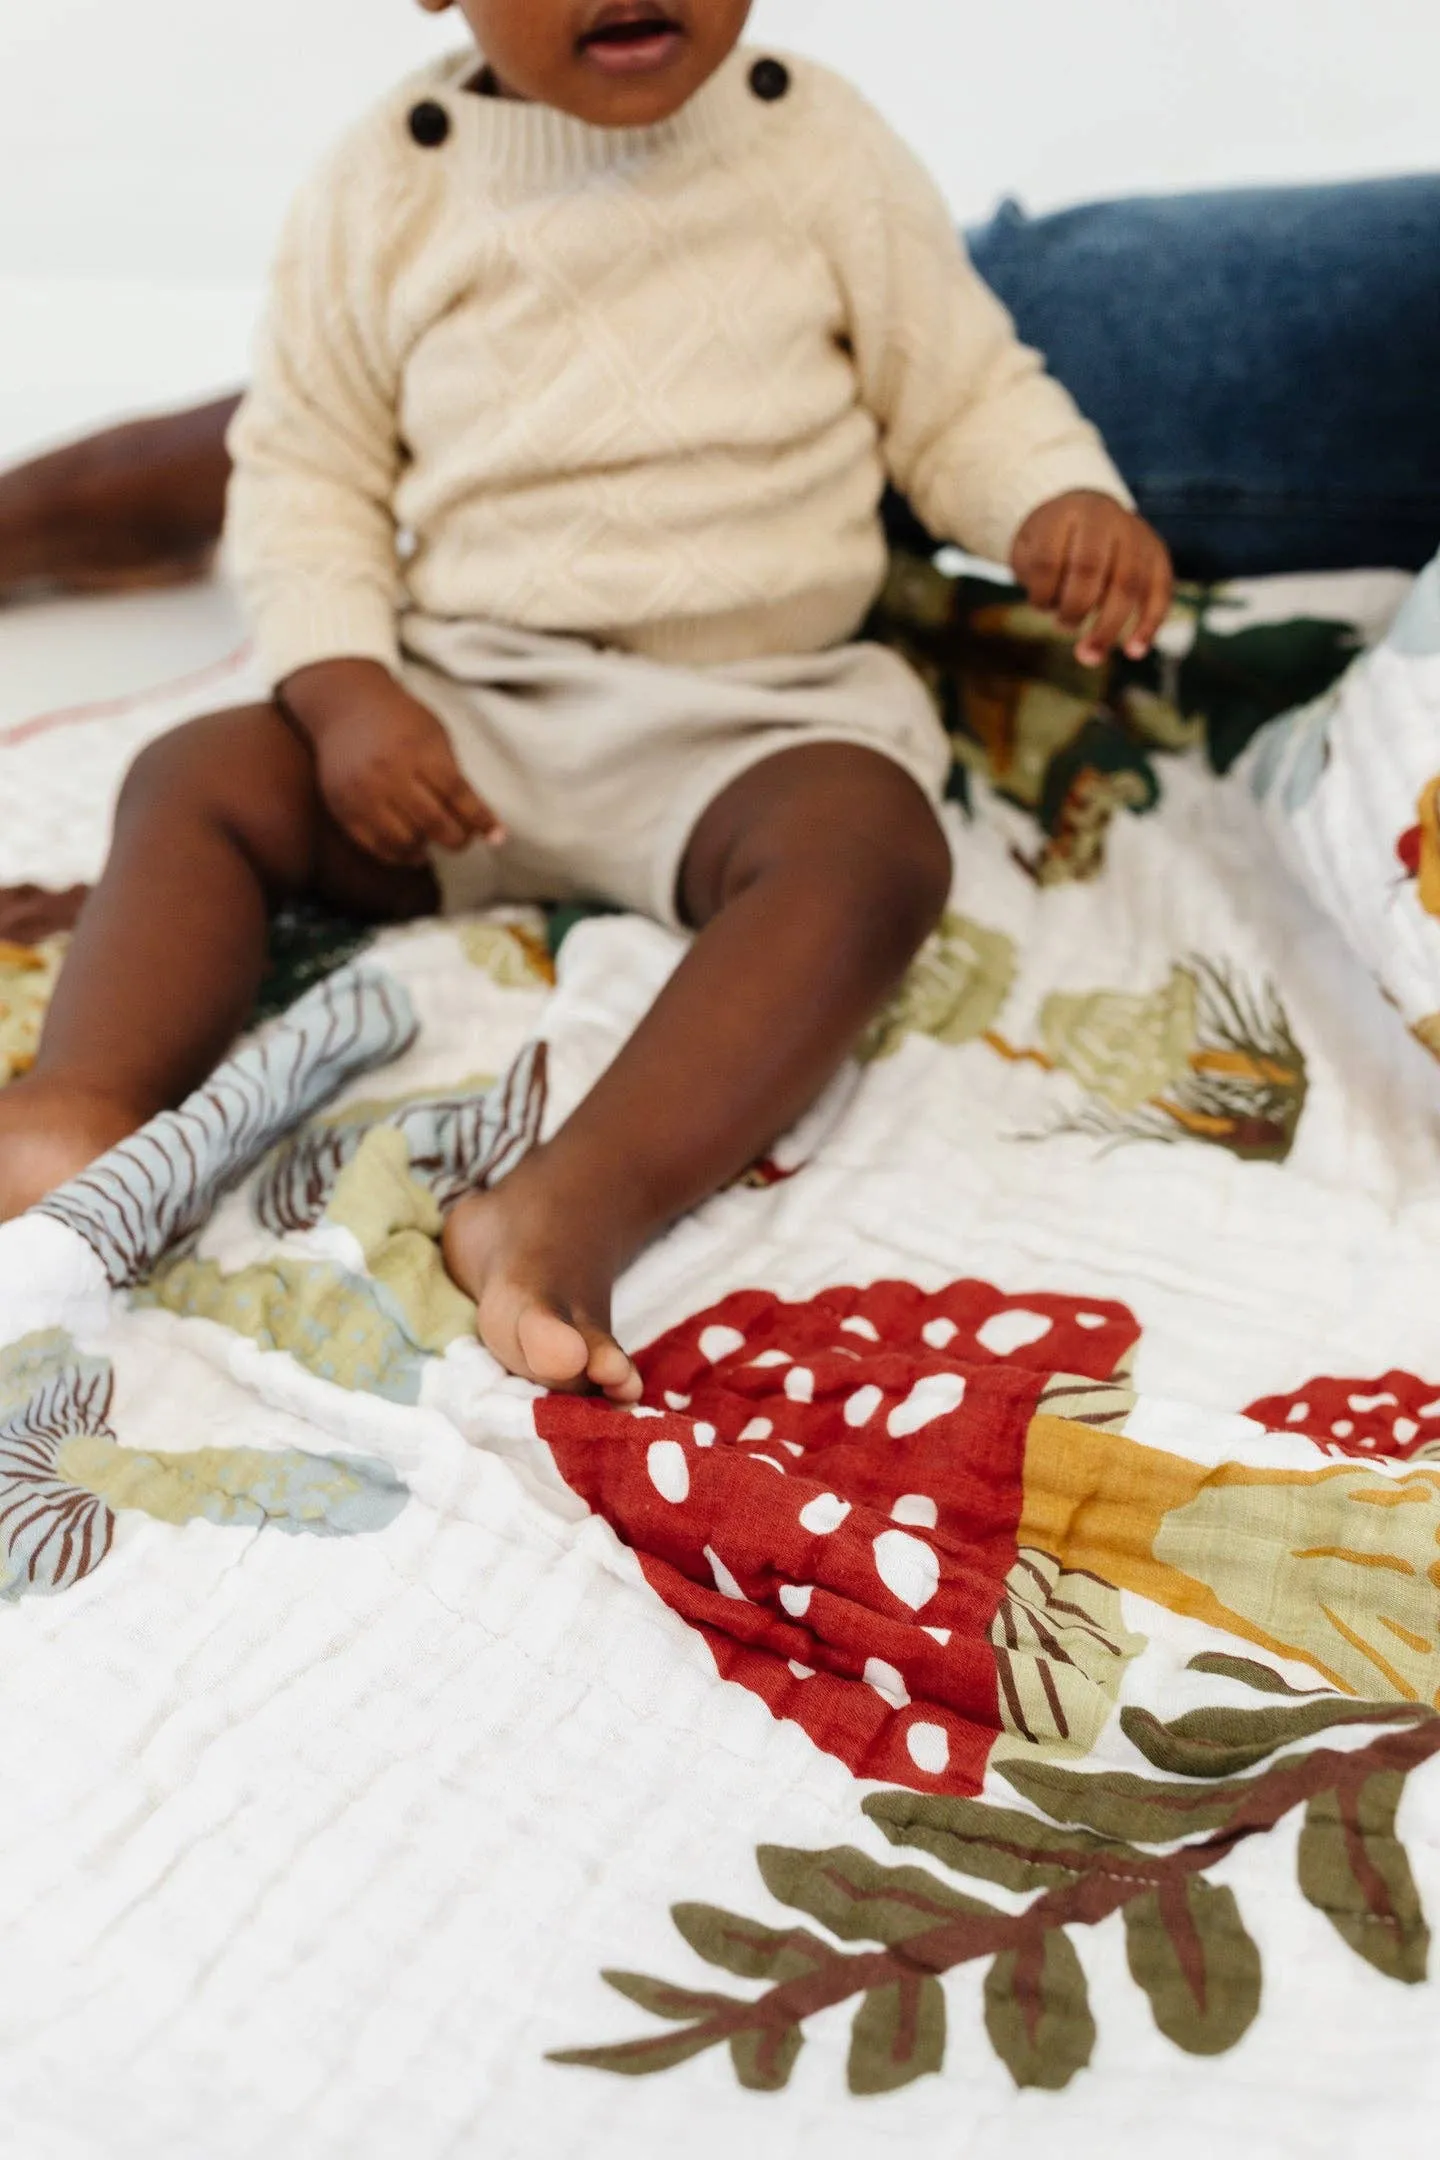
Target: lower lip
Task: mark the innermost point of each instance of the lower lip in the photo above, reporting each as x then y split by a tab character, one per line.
637	56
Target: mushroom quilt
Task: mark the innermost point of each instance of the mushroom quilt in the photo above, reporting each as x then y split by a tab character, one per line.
986	1695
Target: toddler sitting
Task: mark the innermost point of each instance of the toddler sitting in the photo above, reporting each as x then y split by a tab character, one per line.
556	514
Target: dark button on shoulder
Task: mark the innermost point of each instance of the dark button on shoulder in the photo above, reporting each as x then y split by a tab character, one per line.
770	80
429	123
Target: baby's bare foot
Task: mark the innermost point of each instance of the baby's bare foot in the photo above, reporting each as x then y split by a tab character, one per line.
49	1133
543	1296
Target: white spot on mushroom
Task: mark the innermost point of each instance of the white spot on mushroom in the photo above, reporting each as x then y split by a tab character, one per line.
669	1471
929	1747
676	1402
888	1682
725	1582
770	1459
917	1509
795	1597
644	1410
934	1395
1297	1413
1342	1428
857	1324
720	1342
1365	1403
801	1672
773	1357
907	1567
940	1634
939	1334
704	1434
862	1405
1429	1409
823	1514
800	1384
759	1428
1006	1332
1405	1430
1090	1320
792	1447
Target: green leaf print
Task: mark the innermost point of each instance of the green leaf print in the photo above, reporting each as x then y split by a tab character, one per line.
898	2035
745	1947
1241	680
1003	1846
1220	1742
638	2058
663	2000
1131	1810
1037	2013
1354	1869
1190	1951
857	1898
1188	1947
764	2060
1251	1674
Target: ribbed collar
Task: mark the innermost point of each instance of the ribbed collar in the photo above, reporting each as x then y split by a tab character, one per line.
525	150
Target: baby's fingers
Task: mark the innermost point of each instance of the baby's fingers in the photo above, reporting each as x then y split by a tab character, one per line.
1039	562
479	820
1157	606
1127	593
1088	575
383	831
463	813
441	825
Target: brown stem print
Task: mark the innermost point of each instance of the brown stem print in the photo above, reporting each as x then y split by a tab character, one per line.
1084	1852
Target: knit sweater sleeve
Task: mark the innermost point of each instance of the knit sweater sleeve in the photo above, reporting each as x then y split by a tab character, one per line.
975	432
311	540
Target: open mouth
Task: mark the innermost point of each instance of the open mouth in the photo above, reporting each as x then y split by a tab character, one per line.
631	37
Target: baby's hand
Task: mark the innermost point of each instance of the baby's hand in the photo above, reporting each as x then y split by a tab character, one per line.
1088	560
385	765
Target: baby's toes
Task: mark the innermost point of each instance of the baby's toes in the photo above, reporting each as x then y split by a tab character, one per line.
610	1370
554	1353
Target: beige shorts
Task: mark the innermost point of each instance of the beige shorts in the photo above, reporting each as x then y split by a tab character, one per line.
600	764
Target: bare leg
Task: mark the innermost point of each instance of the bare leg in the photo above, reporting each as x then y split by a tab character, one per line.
812	880
140	504
216	822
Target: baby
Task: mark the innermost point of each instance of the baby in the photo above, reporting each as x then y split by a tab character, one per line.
555	513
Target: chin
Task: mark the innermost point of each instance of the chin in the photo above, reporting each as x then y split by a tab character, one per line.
641	103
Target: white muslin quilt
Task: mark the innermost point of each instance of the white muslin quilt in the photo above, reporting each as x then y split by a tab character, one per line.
984	1701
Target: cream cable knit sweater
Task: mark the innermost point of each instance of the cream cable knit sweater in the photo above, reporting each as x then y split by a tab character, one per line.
644	386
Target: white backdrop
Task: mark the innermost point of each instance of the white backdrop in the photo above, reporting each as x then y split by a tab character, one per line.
147	146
